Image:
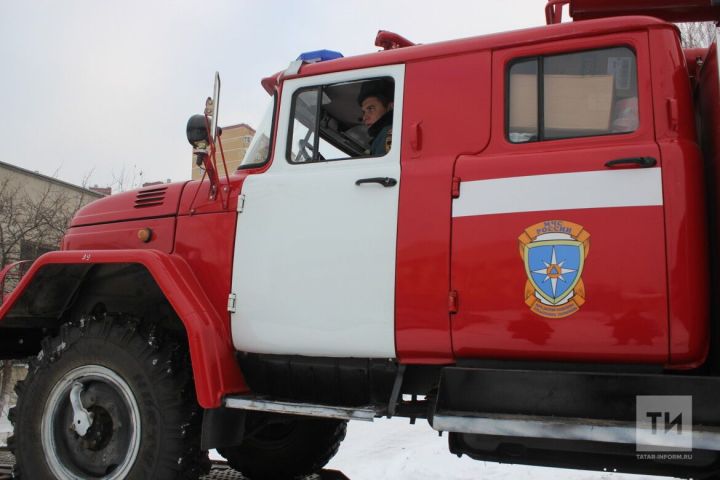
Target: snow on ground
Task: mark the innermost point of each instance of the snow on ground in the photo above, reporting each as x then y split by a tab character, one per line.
5	430
394	449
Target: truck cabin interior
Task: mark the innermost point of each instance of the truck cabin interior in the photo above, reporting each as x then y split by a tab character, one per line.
566	79
334	111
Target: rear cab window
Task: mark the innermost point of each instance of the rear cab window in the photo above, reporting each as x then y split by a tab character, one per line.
580	94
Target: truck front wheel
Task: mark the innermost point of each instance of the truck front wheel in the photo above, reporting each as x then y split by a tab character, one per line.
280	447
107	400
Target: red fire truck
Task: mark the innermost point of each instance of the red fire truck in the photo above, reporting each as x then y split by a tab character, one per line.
527	262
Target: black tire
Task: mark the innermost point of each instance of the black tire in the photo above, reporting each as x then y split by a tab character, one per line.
138	387
280	447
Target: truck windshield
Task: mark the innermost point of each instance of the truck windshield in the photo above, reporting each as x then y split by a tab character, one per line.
259	149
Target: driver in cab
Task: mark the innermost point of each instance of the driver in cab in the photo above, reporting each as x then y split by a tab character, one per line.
376	102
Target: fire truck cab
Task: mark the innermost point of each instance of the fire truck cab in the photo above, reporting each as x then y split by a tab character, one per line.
512	239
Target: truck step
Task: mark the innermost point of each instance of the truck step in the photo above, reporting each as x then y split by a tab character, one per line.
366	413
524	426
568	405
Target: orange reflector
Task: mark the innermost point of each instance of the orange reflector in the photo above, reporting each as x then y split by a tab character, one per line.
144	235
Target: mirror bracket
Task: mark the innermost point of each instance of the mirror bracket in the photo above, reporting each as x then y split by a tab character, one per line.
204	135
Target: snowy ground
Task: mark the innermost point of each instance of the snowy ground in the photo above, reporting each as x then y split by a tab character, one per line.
5	430
394	449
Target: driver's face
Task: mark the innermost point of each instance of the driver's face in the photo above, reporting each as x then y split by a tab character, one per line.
373	109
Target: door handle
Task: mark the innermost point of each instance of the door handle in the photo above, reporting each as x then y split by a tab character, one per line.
384	181
639	162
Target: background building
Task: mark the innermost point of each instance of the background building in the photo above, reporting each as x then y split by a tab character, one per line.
235	140
35	211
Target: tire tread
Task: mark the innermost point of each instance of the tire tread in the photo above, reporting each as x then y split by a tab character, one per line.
169	382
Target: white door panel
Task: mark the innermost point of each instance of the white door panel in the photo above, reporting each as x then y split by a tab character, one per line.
314	266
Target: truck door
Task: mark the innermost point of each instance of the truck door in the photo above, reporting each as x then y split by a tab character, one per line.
314	266
558	243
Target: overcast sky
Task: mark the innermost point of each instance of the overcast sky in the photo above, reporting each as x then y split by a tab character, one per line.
105	88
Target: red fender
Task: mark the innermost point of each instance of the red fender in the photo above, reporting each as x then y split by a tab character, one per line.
5	272
215	369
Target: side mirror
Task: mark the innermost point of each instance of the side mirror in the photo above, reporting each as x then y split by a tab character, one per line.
197	133
202	132
214	108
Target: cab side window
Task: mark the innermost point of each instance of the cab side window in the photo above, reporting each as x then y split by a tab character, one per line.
341	121
572	95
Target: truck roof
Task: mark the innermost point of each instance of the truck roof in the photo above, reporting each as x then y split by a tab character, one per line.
493	41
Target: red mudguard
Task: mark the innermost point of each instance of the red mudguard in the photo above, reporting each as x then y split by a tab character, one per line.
215	370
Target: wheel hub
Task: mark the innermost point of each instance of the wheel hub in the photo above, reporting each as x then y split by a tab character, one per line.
101	432
91	425
82	419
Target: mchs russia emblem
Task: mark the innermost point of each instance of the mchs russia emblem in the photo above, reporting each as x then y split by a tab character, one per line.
554	254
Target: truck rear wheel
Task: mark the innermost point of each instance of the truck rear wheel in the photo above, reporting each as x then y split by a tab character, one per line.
104	400
280	447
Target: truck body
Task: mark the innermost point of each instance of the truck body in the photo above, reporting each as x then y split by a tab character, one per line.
532	256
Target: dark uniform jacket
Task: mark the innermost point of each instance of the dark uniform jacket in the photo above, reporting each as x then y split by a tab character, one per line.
381	134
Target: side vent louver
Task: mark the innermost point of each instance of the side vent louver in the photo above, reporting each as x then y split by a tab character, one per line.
151	197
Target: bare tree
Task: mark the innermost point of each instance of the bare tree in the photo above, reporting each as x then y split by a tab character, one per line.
20	219
33	219
66	204
127	180
697	34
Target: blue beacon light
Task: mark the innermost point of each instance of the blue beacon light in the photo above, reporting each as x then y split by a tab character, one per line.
319	56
